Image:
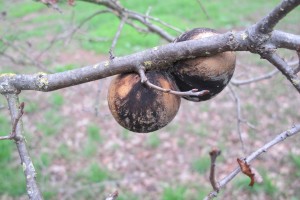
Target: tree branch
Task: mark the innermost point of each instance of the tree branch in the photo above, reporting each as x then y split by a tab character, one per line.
212	175
114	42
121	11
159	57
13	133
28	168
279	138
285	40
238	116
284	68
193	92
253	80
267	24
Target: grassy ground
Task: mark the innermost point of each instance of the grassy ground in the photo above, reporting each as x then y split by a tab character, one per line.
81	153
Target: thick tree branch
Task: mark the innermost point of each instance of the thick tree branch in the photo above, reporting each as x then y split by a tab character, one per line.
156	58
285	69
28	168
285	40
267	24
279	138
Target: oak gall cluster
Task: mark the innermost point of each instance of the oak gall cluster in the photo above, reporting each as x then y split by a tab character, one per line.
139	108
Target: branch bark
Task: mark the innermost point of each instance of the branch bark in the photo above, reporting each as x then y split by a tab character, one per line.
267	24
28	168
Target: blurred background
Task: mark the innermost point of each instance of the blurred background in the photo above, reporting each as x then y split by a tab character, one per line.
79	150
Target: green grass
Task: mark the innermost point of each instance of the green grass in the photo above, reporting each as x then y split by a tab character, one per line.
52	124
31	107
295	160
62	68
94	173
153	141
90	149
94	139
126	196
56	99
63	151
11	177
188	15
25	8
201	165
174	193
267	186
94	133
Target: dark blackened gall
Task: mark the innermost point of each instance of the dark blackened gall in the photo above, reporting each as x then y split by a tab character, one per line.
211	73
139	108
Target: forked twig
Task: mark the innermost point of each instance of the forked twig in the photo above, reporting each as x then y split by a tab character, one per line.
193	92
279	138
13	134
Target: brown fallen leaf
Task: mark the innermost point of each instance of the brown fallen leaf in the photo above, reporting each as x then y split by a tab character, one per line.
253	174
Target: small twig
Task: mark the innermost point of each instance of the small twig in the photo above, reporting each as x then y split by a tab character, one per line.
23	54
52	4
69	34
193	92
203	9
279	138
17	119
13	134
115	40
112	196
137	27
239	115
147	16
74	30
120	11
253	80
7	137
212	176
